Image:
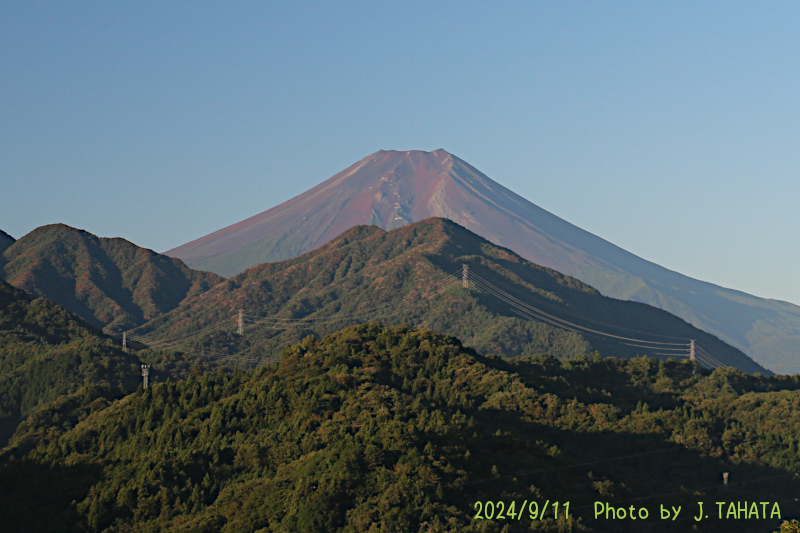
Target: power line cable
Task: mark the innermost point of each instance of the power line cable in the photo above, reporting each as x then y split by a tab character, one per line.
710	357
408	302
494	287
495	290
710	363
531	312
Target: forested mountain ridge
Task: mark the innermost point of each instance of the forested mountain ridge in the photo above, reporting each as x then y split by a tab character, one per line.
46	351
395	429
391	188
111	283
409	275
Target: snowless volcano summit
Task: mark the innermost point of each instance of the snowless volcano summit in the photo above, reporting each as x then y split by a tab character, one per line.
392	188
387	189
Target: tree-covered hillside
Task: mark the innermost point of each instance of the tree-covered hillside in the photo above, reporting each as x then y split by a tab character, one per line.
410	275
111	283
399	430
46	351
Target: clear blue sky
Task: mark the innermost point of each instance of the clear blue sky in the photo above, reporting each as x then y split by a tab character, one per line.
671	129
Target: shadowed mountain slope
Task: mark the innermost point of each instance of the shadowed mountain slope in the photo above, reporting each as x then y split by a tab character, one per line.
46	351
6	240
111	283
410	275
393	188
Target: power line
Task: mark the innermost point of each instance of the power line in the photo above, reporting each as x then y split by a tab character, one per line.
709	357
618	327
496	289
241	320
709	360
464	277
531	312
526	310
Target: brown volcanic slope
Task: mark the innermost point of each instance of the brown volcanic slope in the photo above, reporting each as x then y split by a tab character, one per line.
111	283
391	188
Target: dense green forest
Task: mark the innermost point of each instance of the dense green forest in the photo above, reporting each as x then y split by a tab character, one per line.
410	275
374	428
46	351
394	429
112	284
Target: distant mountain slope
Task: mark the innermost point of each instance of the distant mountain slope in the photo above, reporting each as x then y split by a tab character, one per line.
391	188
6	240
111	283
46	352
401	277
